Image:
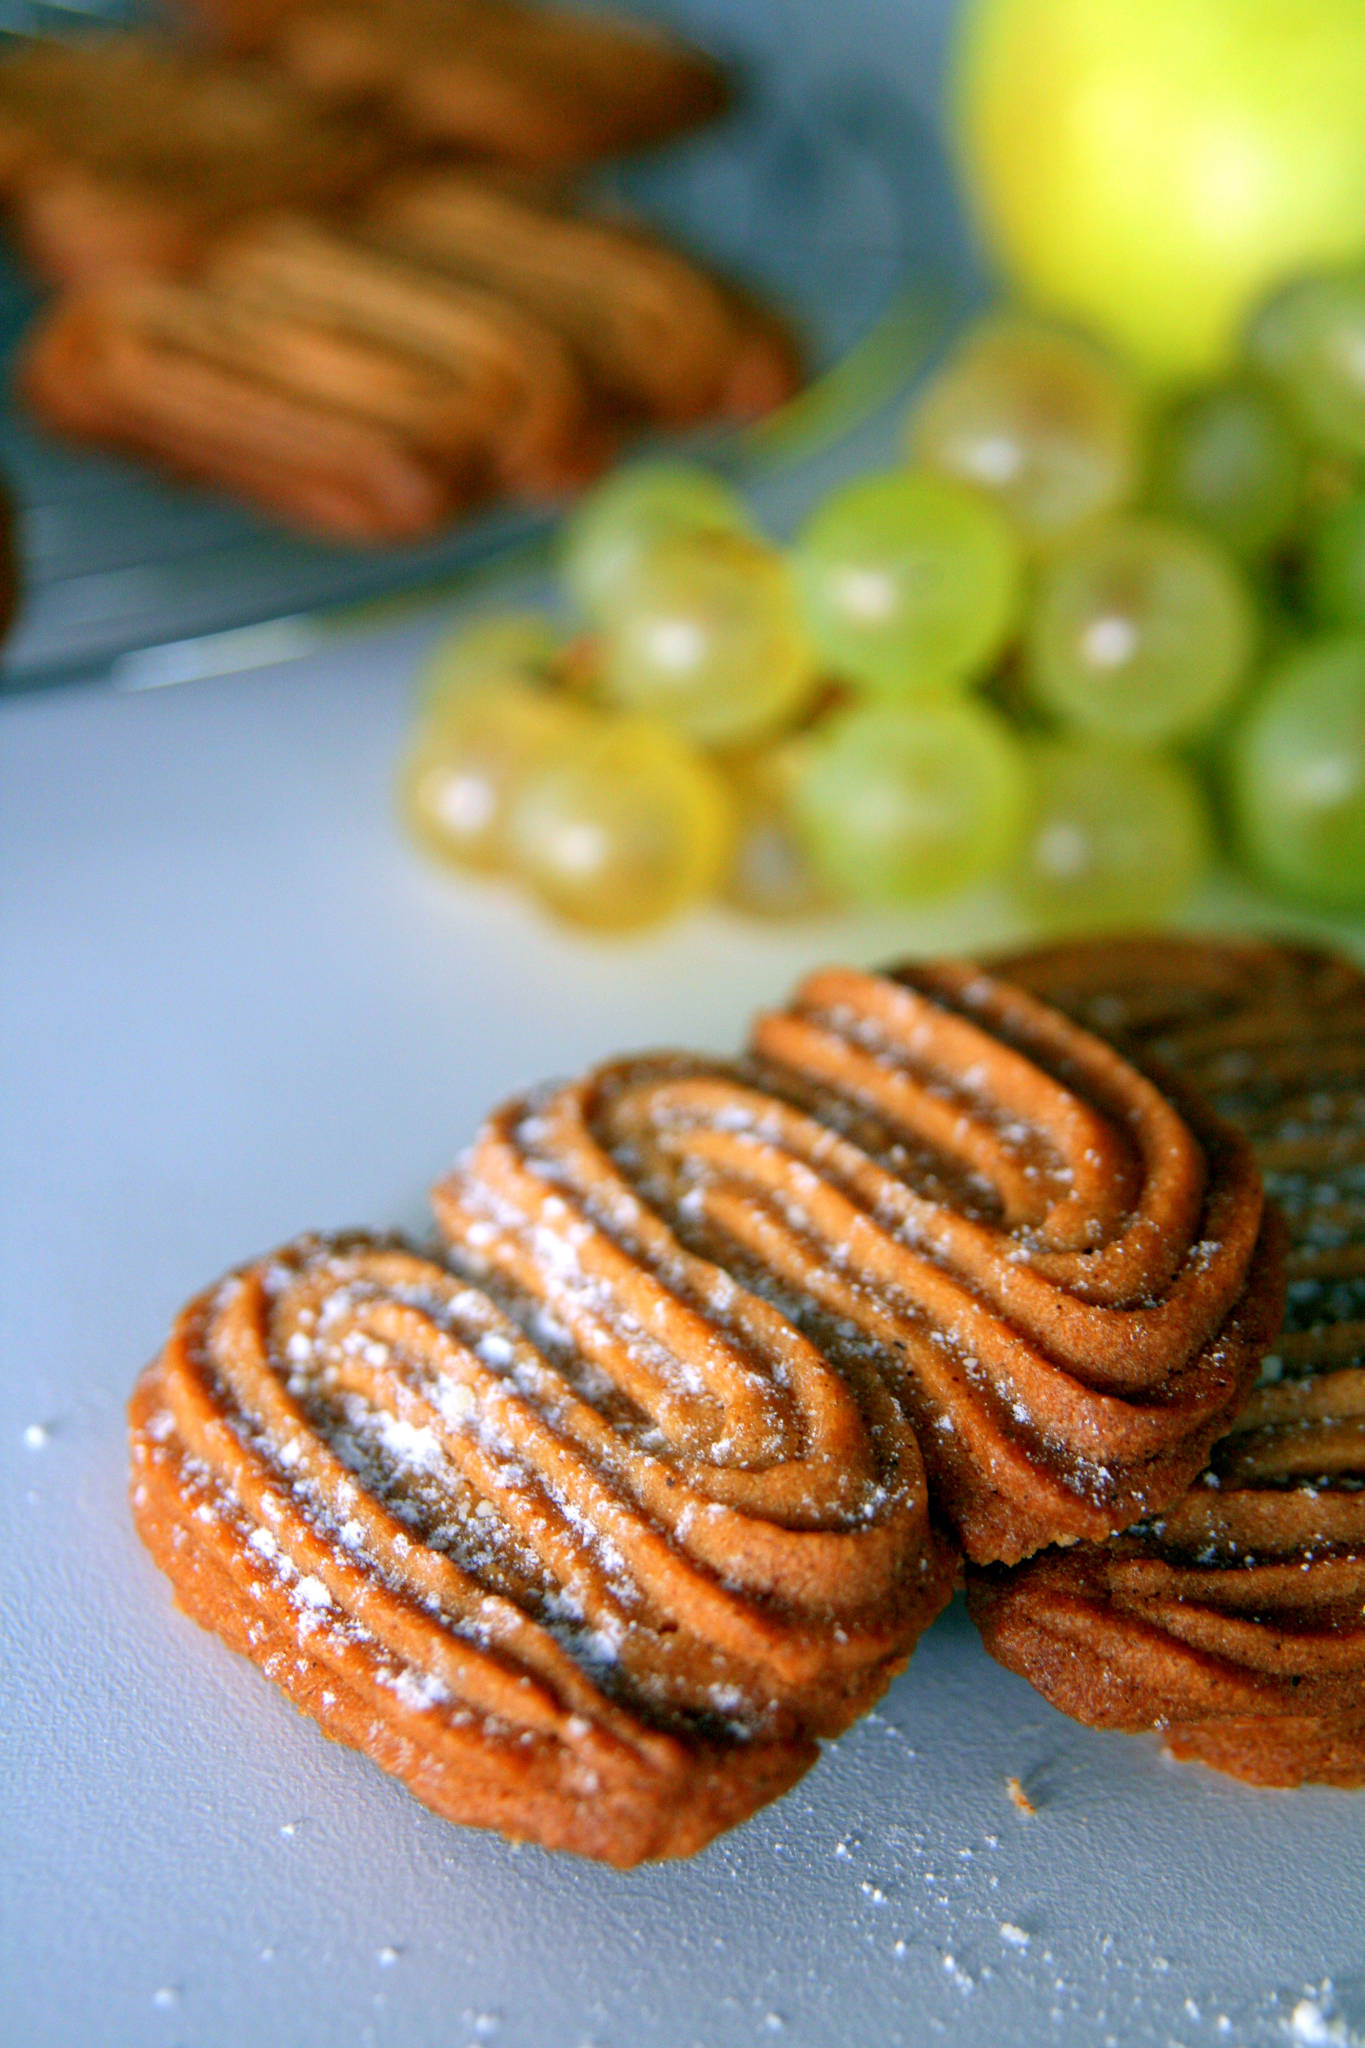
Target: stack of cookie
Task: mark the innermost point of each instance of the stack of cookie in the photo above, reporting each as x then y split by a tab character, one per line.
590	1526
1235	1621
274	278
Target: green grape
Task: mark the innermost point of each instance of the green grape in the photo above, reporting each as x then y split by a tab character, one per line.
1310	339
624	827
511	646
910	582
613	526
770	874
1228	459
468	760
1334	566
899	803
1115	836
1141	629
1038	417
705	633
1296	774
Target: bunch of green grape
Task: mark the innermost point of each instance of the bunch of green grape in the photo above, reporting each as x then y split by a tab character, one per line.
1078	635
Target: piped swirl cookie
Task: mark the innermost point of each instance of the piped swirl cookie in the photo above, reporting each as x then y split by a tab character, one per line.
167	371
1062	1278
341	390
1063	1282
126	152
794	1485
596	1590
1235	1621
660	338
527	85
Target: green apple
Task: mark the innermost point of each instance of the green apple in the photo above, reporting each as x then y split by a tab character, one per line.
1151	168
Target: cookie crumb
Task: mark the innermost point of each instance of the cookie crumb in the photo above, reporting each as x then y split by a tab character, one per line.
1019	1797
1311	2025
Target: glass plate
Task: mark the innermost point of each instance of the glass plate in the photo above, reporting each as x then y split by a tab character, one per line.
825	189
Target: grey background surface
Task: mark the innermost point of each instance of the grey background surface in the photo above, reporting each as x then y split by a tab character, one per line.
233	1004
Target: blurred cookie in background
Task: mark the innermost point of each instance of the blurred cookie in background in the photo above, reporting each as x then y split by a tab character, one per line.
124	153
346	386
321	429
663	340
525	85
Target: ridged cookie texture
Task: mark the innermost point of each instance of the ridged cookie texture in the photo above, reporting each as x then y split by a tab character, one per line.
1060	1278
601	1599
1235	1622
787	1498
591	1530
661	339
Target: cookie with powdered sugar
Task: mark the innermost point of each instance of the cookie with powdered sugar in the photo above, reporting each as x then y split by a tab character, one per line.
1233	1621
1063	1278
598	1595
